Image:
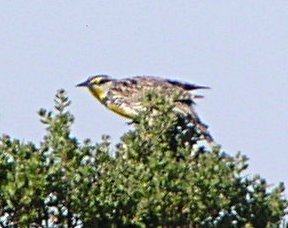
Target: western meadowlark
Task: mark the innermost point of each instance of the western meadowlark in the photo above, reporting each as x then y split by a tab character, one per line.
124	96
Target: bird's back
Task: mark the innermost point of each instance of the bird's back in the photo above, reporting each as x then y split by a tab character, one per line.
134	87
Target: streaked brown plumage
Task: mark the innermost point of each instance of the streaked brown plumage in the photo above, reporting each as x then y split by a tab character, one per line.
124	96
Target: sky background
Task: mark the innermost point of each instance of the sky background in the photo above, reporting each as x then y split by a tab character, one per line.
239	48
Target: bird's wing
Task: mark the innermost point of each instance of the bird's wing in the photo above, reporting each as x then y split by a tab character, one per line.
125	95
134	88
186	86
128	95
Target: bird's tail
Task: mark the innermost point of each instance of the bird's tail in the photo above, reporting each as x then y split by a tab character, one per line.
199	126
193	118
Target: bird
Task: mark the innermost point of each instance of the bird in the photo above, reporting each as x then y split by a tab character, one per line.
125	96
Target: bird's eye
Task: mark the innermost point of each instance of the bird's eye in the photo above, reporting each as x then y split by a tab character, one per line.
95	82
103	81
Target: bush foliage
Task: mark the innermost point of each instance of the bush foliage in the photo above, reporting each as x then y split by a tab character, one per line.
158	175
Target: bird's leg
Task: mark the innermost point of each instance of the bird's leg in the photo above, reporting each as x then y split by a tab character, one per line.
133	122
130	122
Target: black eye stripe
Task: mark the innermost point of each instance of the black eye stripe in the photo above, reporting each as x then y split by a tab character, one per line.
101	82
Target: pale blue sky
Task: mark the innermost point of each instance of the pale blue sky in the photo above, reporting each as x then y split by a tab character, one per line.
239	48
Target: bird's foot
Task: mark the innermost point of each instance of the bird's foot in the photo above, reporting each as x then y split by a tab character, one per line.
132	122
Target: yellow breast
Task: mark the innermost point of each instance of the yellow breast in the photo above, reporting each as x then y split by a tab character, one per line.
121	111
98	92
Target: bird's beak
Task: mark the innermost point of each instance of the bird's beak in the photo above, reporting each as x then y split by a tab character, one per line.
83	84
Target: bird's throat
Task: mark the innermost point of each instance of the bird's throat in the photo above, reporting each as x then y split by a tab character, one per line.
98	92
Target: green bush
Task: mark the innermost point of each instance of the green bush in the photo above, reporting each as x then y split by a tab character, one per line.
158	175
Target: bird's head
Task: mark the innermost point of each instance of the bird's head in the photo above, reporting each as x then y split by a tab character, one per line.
95	81
97	85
